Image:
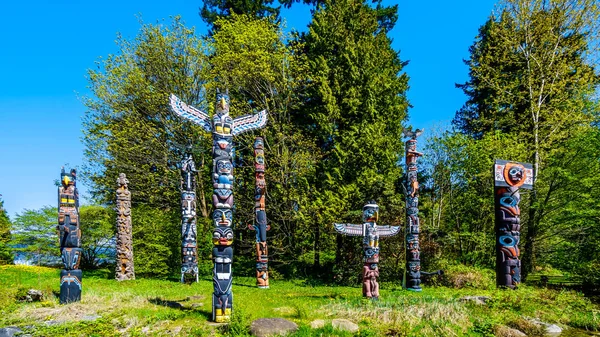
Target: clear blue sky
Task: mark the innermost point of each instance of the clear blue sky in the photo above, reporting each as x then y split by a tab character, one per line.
48	45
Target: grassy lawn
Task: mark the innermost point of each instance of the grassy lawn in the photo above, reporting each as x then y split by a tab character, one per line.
157	307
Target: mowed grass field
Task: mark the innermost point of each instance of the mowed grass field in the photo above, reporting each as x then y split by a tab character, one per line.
167	308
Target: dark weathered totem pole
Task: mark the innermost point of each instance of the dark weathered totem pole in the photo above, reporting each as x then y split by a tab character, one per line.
124	270
223	129
370	233
261	227
189	245
508	178
70	238
412	271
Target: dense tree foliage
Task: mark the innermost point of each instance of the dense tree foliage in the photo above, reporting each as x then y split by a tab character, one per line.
97	235
354	106
533	75
336	101
6	256
35	236
213	10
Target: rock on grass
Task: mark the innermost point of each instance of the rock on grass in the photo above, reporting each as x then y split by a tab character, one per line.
264	327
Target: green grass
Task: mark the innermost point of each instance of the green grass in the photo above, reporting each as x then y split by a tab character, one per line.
143	307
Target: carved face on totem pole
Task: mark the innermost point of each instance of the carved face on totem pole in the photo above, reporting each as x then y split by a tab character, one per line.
222	104
68	179
371	212
223	236
223	123
222	217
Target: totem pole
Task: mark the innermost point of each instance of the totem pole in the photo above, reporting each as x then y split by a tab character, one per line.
370	233
189	246
70	238
508	178
223	129
124	270
261	227
412	271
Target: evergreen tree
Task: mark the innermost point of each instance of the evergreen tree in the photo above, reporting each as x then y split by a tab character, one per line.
6	256
217	9
34	234
354	106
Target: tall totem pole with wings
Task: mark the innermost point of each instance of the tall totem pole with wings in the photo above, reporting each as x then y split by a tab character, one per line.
223	129
370	232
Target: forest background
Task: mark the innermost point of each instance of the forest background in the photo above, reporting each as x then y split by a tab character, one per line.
336	97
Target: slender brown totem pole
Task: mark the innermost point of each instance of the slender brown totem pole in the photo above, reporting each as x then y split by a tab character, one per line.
412	271
70	238
124	270
223	129
370	232
508	178
189	245
261	227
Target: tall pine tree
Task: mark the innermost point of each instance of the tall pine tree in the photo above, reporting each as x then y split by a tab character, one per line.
354	106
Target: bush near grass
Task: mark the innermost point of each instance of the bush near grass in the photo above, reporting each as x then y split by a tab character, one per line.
459	276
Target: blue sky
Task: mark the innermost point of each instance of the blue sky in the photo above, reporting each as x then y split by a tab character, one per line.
48	45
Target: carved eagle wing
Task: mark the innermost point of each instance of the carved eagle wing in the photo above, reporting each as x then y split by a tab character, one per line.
249	122
190	113
388	230
349	229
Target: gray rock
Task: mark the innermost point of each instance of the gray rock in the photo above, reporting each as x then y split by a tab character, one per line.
90	317
317	323
34	295
264	327
196	305
479	300
9	331
344	324
552	330
504	331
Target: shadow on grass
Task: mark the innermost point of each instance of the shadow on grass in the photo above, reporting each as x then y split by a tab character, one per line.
177	305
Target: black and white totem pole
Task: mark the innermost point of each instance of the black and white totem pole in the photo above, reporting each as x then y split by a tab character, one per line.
223	129
509	177
189	244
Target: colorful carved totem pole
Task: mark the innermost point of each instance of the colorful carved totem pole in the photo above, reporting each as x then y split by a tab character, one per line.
70	238
261	227
124	270
508	178
189	245
223	129
412	271
370	233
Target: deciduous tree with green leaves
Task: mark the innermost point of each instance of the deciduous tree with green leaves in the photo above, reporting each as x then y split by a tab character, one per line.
533	72
35	235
